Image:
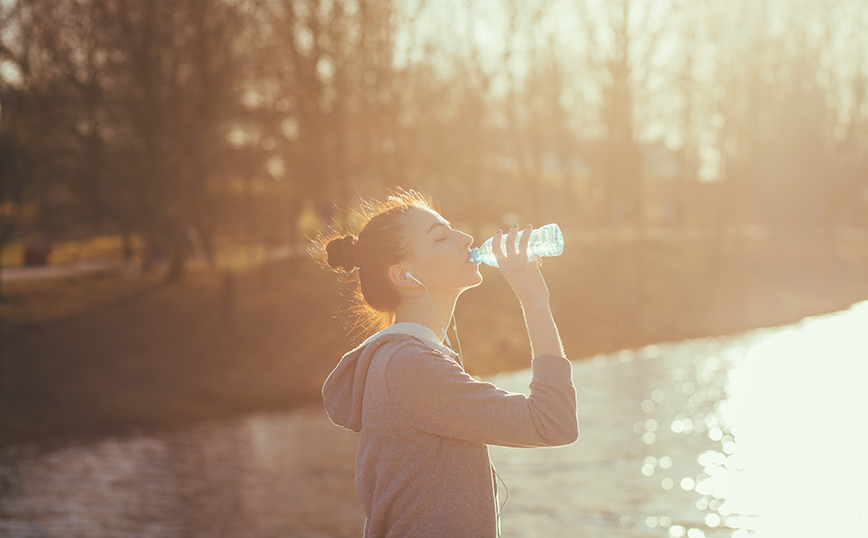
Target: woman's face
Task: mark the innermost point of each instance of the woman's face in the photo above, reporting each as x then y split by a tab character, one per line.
438	255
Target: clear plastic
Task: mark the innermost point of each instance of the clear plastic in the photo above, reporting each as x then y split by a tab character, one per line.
545	241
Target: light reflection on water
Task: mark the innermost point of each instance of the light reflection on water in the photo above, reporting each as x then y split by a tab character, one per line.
795	462
762	434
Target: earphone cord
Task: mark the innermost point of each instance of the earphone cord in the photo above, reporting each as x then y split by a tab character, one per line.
499	508
458	339
446	336
497	476
505	498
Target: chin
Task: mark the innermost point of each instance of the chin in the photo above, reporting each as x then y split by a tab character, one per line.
476	279
469	277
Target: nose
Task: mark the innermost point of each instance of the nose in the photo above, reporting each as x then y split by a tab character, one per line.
466	239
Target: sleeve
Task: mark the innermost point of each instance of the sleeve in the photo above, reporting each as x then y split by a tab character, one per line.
435	395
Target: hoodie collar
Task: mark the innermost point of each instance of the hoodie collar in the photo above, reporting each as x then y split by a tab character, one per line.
344	390
416	330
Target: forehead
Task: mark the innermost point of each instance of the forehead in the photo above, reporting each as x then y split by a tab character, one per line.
422	219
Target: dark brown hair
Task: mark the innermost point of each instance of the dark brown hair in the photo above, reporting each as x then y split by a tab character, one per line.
364	259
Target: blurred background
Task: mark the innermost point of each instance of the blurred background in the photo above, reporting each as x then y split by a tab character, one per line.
163	164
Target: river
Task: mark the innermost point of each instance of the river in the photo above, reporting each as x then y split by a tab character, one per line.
761	434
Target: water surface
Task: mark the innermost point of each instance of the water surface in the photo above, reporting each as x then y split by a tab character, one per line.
762	434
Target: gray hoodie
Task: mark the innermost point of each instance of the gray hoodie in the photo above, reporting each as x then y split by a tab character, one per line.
422	465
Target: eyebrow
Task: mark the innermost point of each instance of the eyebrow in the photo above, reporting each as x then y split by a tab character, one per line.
436	224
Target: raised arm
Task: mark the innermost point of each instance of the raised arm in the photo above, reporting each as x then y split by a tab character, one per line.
434	394
526	280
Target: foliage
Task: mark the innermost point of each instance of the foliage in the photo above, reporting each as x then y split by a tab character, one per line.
185	121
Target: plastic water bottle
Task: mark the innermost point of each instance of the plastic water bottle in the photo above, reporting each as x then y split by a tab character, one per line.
545	241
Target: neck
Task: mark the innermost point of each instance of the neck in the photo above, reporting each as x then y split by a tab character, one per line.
418	310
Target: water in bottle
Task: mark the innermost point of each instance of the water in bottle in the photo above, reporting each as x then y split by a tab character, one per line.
545	241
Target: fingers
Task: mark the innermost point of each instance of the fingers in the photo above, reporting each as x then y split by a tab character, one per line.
495	248
512	250
510	241
522	246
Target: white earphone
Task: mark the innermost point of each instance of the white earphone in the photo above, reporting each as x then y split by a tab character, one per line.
409	275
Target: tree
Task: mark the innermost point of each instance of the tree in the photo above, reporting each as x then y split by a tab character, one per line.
16	162
135	97
622	47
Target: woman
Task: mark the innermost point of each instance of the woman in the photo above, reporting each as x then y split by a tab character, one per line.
422	465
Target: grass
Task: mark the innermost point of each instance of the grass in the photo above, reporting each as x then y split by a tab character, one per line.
39	301
102	247
107	353
12	255
170	356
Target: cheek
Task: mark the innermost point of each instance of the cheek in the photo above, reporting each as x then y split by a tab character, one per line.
442	268
440	265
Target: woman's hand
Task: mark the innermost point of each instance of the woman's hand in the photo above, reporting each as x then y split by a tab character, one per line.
522	273
524	277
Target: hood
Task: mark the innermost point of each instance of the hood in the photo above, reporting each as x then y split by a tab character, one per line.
344	390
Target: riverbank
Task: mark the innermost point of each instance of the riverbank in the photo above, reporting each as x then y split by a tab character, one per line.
149	356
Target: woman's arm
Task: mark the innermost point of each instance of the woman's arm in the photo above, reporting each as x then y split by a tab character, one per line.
435	395
526	280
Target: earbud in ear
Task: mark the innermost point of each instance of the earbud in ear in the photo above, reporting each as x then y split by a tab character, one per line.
409	275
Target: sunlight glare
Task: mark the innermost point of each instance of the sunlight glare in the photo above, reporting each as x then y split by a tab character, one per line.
797	446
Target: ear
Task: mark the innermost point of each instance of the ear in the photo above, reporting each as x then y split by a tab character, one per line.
398	276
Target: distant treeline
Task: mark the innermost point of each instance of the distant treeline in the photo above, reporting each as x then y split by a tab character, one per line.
181	121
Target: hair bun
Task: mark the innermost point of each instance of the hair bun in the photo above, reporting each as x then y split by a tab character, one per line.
342	253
